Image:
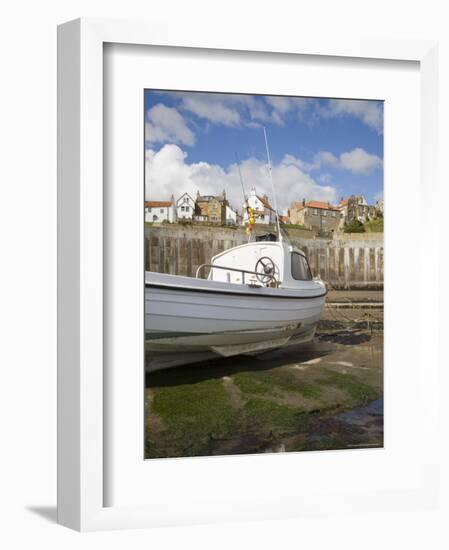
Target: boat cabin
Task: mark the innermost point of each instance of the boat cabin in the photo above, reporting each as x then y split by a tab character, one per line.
274	264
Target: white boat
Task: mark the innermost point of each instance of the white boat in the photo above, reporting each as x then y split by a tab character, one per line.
257	297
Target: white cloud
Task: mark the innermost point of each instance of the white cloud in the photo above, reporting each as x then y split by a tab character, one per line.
212	107
167	124
281	104
360	162
291	159
369	112
168	172
235	109
325	157
357	161
325	178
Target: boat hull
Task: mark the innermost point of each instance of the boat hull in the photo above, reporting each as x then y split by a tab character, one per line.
190	320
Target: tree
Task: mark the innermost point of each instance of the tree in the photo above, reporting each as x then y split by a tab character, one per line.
355	226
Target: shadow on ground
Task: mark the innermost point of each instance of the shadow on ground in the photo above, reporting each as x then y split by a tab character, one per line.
217	368
47	512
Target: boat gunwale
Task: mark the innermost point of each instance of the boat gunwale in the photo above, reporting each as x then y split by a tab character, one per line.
232	292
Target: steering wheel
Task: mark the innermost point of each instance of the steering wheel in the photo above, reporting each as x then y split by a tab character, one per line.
266	270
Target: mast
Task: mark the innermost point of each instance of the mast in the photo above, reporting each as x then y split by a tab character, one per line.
272	186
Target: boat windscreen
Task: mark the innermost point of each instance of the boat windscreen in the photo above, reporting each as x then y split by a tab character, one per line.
300	268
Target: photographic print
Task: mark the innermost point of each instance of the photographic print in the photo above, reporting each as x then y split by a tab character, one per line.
263	273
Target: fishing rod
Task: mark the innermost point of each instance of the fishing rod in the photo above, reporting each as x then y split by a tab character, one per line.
272	186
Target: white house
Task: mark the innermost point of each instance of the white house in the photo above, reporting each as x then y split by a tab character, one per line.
160	211
265	213
185	207
231	216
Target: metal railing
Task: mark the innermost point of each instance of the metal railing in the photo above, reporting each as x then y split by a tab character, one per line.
271	278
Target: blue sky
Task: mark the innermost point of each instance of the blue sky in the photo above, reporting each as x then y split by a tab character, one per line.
321	149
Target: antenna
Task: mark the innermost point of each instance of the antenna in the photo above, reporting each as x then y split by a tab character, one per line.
243	188
240	176
272	185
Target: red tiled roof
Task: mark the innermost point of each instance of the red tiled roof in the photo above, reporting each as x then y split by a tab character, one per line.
284	219
157	204
265	202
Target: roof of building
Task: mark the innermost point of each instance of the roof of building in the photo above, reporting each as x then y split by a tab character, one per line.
314	204
284	219
265	202
209	198
184	195
360	199
157	204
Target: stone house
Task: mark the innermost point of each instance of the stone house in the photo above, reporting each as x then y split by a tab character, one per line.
355	207
160	211
265	213
185	207
322	217
211	207
380	207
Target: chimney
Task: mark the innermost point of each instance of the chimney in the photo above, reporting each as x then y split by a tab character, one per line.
303	202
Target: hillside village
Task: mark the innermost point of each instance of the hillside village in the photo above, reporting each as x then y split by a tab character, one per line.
352	214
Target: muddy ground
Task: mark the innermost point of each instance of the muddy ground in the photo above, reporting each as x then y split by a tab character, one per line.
327	394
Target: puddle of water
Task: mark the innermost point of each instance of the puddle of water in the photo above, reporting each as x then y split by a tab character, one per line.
365	414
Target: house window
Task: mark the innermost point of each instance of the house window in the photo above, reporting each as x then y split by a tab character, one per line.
333	214
149	210
300	268
324	213
182	208
187	209
315	212
154	218
161	210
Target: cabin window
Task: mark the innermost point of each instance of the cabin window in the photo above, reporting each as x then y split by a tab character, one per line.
300	268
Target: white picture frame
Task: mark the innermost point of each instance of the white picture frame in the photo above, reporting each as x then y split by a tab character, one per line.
81	391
